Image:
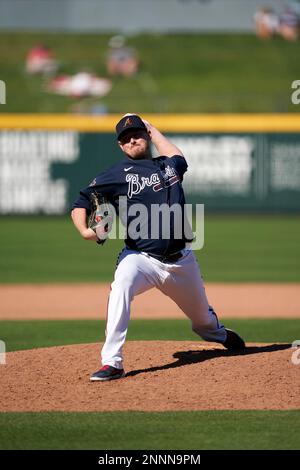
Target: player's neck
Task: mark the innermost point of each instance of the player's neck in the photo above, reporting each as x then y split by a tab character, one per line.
145	156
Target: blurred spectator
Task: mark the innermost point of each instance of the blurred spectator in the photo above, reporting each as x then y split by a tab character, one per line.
289	25
266	23
40	59
79	85
121	60
84	106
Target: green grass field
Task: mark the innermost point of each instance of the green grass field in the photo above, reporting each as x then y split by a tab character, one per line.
237	248
208	73
45	333
138	430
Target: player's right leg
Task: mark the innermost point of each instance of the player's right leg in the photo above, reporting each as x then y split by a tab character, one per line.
134	275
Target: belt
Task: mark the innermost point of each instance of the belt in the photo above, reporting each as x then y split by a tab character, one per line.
172	258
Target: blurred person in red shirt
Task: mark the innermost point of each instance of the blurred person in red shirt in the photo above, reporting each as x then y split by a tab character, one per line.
41	59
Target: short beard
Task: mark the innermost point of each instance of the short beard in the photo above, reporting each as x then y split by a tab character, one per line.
142	156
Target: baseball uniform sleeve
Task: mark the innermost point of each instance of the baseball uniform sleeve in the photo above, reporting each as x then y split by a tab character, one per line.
179	164
105	183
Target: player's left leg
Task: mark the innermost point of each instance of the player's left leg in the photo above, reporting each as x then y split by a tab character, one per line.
184	285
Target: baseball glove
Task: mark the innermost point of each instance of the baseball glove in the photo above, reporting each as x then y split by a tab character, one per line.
101	218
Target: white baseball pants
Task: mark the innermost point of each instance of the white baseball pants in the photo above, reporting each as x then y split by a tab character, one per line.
181	281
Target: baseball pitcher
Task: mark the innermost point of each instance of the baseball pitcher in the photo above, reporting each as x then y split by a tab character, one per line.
147	261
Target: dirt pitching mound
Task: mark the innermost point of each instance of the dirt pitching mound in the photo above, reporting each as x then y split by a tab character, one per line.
161	376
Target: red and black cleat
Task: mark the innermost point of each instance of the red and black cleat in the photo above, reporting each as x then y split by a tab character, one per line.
107	373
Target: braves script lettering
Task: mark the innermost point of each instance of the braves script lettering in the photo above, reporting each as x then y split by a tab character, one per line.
137	184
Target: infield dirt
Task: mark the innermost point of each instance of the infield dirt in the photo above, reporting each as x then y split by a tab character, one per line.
89	301
161	376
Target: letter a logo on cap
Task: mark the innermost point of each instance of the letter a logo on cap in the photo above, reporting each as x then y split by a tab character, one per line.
128	122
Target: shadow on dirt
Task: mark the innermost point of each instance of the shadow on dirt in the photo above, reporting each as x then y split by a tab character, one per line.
193	357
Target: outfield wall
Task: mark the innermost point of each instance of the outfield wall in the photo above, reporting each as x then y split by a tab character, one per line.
236	162
141	15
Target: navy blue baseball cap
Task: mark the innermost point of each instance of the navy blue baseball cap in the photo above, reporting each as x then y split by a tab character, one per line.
128	122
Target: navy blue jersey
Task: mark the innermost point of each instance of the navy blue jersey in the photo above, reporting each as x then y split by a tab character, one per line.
157	181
